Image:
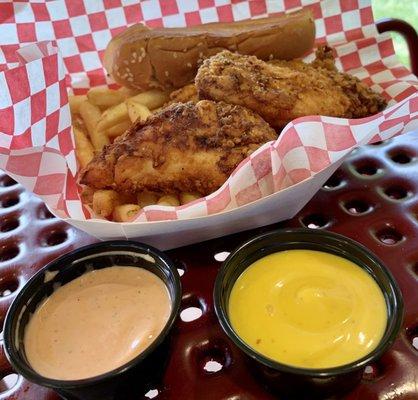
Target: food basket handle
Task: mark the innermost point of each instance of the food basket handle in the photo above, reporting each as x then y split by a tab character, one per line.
409	34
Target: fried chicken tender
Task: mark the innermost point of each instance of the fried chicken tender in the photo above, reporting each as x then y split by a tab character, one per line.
184	94
280	91
185	147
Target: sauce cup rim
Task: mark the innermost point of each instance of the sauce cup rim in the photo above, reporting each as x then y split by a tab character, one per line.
394	321
120	246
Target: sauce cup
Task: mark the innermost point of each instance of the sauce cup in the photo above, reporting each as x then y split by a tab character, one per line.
292	381
127	381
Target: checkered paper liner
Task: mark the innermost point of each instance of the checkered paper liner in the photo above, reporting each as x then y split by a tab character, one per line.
36	145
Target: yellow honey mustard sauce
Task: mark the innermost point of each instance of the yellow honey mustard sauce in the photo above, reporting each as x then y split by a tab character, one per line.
308	309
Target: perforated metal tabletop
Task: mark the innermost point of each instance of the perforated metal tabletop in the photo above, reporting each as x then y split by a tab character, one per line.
372	198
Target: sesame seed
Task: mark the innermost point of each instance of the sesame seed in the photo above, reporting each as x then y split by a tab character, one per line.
126	62
142	55
134	54
189	65
270	56
175	55
166	73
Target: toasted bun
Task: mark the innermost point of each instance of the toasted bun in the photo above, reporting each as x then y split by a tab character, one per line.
144	58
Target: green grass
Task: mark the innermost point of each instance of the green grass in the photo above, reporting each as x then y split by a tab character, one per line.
401	9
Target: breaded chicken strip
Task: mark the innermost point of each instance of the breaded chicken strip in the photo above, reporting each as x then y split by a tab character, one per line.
184	94
187	93
183	148
280	91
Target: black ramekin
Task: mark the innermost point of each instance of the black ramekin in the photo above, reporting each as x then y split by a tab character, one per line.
300	383
132	378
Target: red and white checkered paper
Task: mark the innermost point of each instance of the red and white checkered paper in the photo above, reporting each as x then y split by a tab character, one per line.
36	146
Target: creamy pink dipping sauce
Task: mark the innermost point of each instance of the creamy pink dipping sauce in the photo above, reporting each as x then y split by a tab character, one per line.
96	323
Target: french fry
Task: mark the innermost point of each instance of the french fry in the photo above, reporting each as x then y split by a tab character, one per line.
147	199
77	121
188	197
168	200
99	139
137	111
104	98
118	129
75	101
127	92
91	115
104	202
152	98
83	148
110	118
125	212
113	116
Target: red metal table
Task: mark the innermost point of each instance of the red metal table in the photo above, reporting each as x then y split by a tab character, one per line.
371	198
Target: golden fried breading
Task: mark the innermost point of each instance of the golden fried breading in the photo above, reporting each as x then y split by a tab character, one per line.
280	91
184	94
185	147
324	59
